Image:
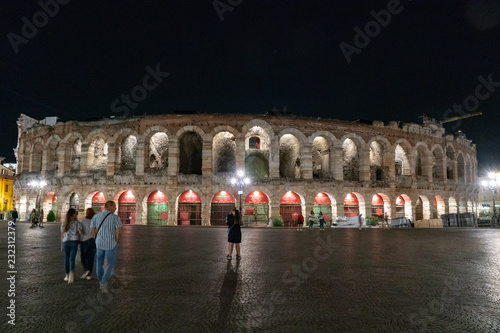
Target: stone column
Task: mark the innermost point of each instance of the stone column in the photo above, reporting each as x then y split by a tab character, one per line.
44	162
139	158
427	167
364	164
111	165
240	154
340	207
306	161
338	165
138	213
206	165
63	161
173	158
274	158
84	160
390	162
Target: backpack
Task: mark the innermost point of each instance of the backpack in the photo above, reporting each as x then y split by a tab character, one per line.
301	218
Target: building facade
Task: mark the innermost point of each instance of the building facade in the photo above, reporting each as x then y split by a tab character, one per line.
176	169
6	189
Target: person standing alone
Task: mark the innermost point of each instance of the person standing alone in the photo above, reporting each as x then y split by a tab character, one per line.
14	216
234	236
105	229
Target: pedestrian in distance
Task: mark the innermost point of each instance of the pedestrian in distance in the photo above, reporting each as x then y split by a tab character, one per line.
15	215
106	230
311	219
300	222
34	218
71	230
234	236
87	245
321	221
360	220
386	221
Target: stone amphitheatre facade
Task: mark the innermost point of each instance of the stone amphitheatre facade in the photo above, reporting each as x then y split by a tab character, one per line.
176	169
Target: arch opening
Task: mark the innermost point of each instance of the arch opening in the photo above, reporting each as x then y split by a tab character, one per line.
190	150
189	208
224	153
256	207
321	158
157	205
158	151
222	204
350	160
289	157
126	207
290	208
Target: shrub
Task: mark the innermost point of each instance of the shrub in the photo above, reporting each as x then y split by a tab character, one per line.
372	221
277	221
51	216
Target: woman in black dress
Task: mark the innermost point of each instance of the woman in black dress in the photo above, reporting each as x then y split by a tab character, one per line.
234	235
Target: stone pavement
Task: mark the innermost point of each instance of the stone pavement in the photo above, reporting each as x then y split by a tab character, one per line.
176	279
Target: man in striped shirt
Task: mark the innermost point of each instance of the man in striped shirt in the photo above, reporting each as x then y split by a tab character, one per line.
105	228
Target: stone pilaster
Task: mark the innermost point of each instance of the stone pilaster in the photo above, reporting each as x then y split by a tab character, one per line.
364	164
173	158
337	166
112	158
206	165
84	160
139	158
240	155
274	158
306	162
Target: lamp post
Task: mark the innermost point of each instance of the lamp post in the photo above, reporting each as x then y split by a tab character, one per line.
240	180
492	185
38	184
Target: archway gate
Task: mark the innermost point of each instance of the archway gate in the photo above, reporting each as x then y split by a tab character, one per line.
222	204
290	208
257	207
98	201
157	208
189	209
322	203
126	207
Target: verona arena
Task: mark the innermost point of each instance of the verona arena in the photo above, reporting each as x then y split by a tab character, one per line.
176	169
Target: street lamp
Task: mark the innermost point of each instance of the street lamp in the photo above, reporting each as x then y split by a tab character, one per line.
38	184
240	180
492	185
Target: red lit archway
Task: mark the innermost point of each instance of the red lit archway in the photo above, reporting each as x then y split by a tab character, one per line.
189	209
290	208
126	207
378	206
351	205
256	207
98	201
157	208
221	206
323	203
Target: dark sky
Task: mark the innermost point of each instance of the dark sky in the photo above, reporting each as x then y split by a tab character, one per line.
263	55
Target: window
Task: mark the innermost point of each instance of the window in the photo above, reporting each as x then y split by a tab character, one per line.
254	143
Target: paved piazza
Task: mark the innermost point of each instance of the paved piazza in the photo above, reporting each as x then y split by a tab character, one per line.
177	279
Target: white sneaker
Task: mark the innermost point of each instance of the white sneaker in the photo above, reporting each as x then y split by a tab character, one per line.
84	275
66	278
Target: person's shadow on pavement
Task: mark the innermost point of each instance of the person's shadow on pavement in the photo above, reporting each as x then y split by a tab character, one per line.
226	295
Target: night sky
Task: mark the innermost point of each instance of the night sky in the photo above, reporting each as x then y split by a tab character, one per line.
262	55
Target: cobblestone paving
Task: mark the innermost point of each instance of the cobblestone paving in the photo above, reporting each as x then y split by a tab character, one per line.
177	279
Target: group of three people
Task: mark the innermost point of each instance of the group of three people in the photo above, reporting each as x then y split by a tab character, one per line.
311	218
96	234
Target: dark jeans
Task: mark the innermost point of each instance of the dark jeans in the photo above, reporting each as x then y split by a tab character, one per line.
87	251
70	249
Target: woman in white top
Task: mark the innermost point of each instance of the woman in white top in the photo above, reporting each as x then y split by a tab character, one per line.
311	219
71	230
